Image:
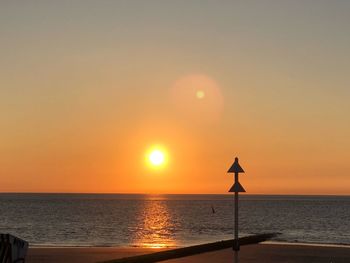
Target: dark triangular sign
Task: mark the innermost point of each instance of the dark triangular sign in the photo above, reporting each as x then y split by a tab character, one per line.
235	168
237	187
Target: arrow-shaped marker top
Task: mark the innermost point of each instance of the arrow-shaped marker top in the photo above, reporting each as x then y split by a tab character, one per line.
235	168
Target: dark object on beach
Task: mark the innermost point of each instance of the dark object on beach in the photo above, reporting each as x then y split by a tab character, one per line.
236	188
192	250
12	249
212	209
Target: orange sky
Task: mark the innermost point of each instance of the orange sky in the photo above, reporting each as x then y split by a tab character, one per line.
86	91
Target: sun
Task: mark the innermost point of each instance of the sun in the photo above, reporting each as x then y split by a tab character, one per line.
156	157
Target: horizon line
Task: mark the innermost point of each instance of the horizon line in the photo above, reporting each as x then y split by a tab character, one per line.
123	193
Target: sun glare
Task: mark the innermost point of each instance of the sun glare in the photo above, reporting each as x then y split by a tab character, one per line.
156	157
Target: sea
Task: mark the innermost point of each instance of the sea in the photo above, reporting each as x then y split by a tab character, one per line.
135	220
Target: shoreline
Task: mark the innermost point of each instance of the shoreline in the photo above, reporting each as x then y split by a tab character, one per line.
262	252
269	242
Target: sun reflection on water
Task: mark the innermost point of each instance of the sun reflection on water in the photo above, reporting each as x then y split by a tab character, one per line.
155	226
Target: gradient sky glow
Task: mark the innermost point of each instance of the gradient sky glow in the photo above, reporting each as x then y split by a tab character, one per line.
87	88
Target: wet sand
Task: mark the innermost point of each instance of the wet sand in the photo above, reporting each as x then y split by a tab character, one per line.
268	253
262	253
82	254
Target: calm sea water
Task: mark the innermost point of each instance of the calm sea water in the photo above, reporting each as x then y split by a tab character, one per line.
170	220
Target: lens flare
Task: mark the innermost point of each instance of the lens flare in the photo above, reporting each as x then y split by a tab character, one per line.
198	97
200	94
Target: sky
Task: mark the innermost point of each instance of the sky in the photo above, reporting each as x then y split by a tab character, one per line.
87	88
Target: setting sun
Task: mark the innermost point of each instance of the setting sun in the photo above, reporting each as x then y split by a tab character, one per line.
156	157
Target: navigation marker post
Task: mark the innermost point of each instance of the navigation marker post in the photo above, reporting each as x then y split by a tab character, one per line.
236	188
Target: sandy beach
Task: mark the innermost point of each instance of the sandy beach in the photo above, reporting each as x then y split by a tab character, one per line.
263	253
82	254
269	253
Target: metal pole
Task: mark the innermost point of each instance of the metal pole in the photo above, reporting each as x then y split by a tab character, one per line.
236	244
236	218
236	188
236	211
